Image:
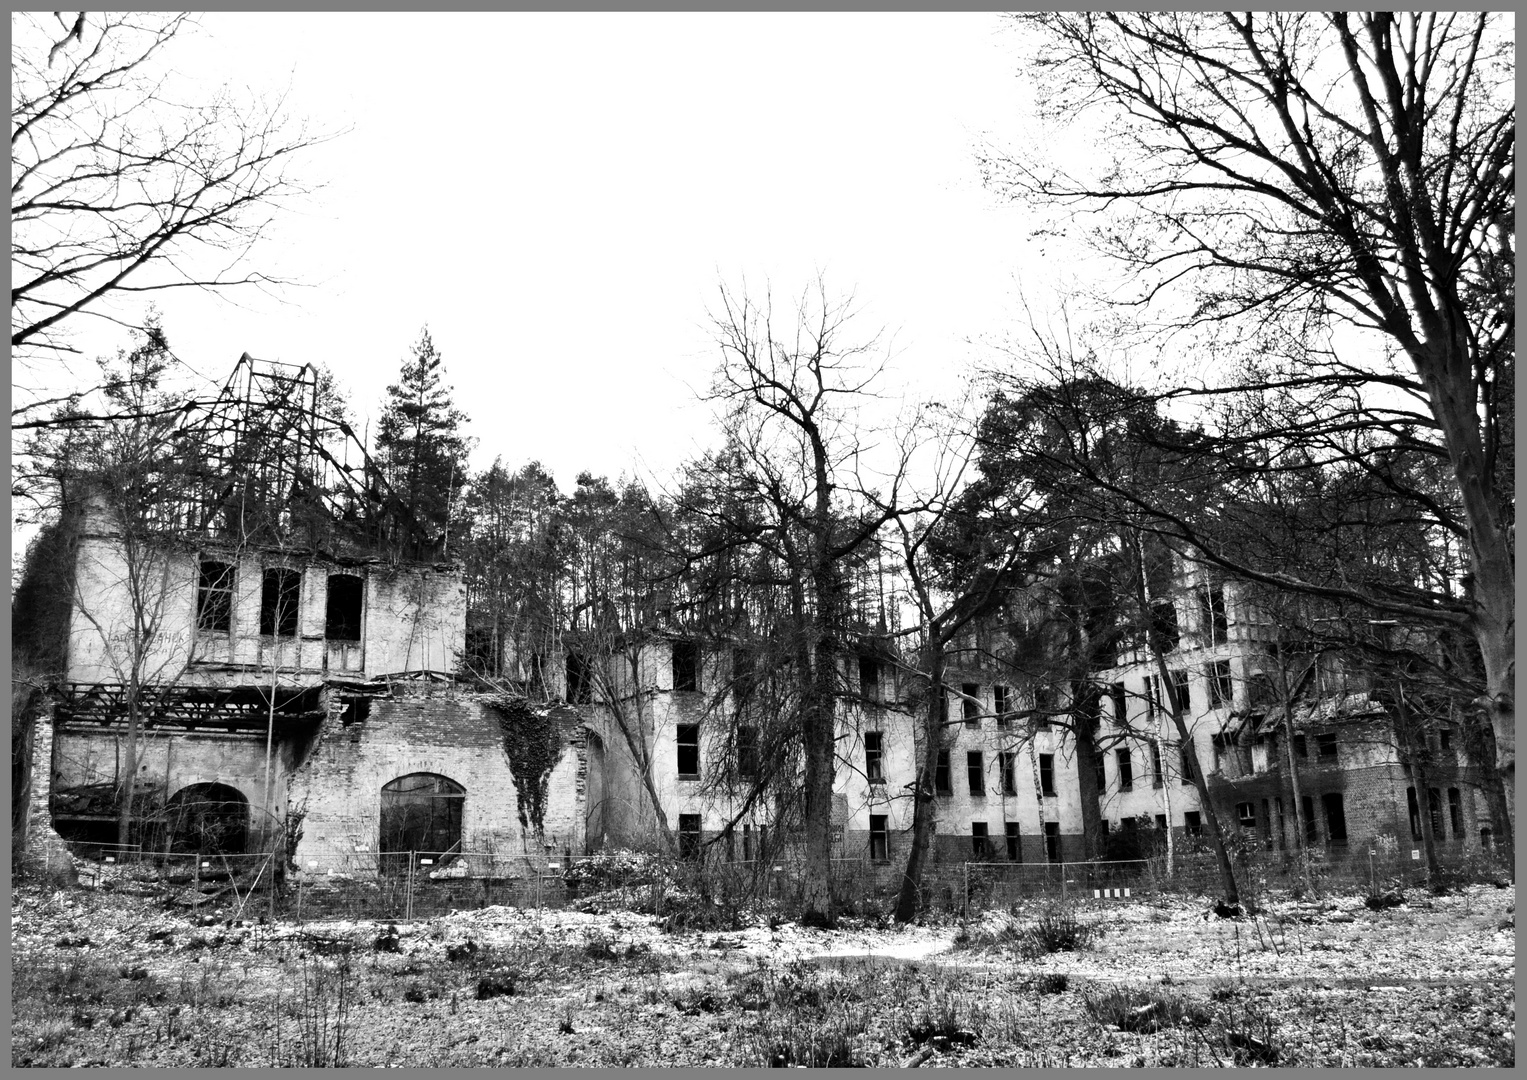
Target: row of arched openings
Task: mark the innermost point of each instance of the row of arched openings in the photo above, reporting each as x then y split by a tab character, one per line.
420	813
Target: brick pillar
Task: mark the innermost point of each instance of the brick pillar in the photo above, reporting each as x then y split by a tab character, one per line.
45	856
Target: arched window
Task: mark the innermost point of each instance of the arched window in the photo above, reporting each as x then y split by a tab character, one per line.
211	819
421	812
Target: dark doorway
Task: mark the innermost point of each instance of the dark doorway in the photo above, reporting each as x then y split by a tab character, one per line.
421	813
210	819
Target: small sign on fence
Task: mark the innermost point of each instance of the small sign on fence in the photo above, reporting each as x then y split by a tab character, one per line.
1415	855
426	862
111	858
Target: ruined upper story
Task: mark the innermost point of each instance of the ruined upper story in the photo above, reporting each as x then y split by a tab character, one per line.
209	613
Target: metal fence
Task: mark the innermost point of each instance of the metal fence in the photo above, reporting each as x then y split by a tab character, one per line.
989	886
412	885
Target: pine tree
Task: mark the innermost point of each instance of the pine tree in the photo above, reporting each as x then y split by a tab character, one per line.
419	442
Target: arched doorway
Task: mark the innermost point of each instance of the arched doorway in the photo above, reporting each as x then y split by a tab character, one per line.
421	813
211	819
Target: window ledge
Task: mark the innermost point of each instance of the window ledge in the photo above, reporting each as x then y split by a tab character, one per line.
689	777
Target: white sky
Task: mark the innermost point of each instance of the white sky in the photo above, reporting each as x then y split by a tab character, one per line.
557	196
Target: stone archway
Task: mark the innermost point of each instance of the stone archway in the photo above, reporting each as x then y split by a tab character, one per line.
420	813
210	819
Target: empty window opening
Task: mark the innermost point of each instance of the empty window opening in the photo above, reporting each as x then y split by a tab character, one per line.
970	704
1182	686
1047	774
342	616
580	681
1212	613
1193	823
1325	745
1221	688
1455	811
880	838
873	765
1311	826
1099	773
1336	816
1014	842
280	594
1219	742
747	752
980	847
941	781
975	772
1445	740
1052	841
1161	821
214	597
1164	634
1002	704
1155	764
1120	701
1301	747
686	665
422	815
1186	764
747	843
1246	816
689	836
869	678
1005	764
1126	768
689	751
743	664
1434	804
209	819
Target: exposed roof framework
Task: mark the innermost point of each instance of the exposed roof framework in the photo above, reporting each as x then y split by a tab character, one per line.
263	463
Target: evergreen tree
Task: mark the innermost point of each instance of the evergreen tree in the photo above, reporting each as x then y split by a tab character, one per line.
419	442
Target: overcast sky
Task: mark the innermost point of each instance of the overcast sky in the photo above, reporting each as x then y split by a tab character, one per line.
557	197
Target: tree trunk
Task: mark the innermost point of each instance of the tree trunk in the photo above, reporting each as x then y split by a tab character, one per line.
1087	759
924	807
1296	801
819	743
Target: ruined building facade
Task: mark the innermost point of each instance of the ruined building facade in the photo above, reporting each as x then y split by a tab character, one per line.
278	651
275	651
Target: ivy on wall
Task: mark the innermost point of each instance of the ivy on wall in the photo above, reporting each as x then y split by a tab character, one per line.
533	743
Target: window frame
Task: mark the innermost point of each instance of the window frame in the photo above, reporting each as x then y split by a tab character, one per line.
1124	765
874	757
1221	684
280	602
975	773
1047	775
943	779
970	704
329	620
684	665
215	590
684	746
882	833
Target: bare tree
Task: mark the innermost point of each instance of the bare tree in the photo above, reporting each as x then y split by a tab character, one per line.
790	393
119	189
1299	169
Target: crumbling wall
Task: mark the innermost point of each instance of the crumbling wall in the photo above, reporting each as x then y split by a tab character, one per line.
438	728
170	759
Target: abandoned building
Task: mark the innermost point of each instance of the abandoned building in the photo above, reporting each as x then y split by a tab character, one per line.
1007	785
274	649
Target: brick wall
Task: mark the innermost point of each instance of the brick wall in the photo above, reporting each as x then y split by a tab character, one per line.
441	729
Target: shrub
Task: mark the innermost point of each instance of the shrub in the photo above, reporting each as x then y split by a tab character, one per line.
1142	1011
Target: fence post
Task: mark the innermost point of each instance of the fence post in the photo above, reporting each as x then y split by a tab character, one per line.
408	899
1062	883
196	880
965	908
